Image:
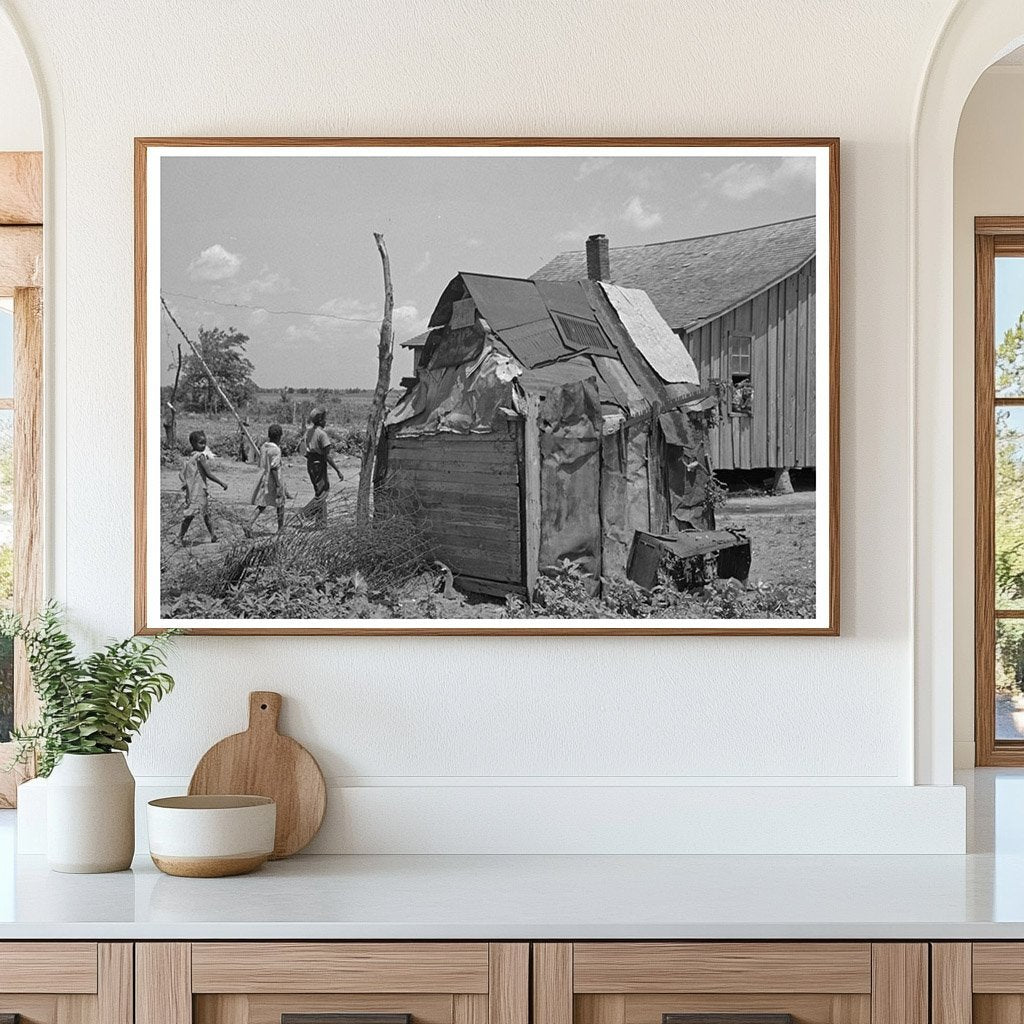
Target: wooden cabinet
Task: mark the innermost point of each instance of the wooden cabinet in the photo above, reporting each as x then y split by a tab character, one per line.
494	983
759	982
66	982
265	982
978	983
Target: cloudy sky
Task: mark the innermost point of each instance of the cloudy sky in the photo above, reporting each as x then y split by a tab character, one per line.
281	247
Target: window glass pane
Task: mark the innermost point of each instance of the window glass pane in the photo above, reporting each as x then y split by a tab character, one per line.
6	567
6	353
1009	322
1009	679
1009	525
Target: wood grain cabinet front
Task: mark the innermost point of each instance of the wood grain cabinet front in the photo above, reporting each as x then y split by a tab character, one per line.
66	982
332	983
978	983
730	983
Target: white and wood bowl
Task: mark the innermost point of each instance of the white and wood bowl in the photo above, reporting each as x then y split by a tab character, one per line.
211	836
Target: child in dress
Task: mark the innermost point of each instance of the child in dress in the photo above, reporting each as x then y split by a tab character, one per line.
270	488
195	475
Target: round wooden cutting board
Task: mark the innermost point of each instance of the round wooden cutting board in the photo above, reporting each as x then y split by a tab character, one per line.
262	762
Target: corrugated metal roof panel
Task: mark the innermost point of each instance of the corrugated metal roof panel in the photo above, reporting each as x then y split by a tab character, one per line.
565	297
542	379
534	343
506	301
664	351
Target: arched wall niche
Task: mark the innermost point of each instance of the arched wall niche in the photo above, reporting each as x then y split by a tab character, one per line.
975	35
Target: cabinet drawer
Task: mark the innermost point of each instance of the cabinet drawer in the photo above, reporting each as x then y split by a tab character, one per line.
332	983
65	967
66	982
730	983
340	967
749	967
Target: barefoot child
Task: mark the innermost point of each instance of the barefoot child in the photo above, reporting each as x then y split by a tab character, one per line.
270	488
194	477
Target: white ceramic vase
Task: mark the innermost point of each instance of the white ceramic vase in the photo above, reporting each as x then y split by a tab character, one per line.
90	814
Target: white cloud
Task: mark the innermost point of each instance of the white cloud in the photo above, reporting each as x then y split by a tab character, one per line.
266	283
571	236
214	264
408	322
423	263
640	216
345	309
592	165
354	320
744	180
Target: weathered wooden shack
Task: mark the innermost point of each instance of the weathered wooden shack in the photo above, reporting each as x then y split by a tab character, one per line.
549	420
744	304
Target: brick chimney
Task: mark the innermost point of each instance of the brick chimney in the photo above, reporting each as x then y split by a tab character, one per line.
598	267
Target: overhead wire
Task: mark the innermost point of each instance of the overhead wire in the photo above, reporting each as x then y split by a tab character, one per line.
275	312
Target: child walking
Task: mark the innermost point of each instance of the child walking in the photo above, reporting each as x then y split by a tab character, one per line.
270	488
194	477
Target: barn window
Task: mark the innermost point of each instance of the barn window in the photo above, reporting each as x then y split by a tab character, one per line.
739	375
999	491
739	355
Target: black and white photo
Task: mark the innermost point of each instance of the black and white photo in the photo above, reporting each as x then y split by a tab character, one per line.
466	386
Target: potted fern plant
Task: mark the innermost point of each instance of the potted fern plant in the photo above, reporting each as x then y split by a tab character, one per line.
90	708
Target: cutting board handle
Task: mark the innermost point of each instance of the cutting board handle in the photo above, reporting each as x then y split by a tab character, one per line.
264	710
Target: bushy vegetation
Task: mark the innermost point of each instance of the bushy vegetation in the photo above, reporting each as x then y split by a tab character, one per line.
224	438
346	570
1009	510
87	705
569	592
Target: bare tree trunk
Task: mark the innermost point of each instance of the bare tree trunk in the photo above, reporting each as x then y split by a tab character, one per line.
375	419
212	381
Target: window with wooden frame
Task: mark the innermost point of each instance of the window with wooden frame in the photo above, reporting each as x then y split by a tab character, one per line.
21	368
741	386
999	490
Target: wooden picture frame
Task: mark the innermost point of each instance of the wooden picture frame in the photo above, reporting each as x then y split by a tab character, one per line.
822	425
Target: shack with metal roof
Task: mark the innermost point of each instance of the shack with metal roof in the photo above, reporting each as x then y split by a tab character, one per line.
744	304
548	420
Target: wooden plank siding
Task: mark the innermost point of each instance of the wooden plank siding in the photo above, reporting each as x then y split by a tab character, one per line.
469	488
780	432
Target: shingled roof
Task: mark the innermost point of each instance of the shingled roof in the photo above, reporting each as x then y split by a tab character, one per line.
694	280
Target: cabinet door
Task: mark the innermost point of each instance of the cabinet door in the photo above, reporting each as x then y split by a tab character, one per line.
730	983
980	982
65	983
332	983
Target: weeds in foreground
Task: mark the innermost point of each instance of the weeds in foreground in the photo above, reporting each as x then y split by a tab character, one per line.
568	592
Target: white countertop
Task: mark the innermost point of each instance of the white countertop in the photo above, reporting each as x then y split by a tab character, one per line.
496	897
977	896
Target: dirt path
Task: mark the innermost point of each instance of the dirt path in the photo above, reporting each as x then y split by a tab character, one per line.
782	535
1009	717
241	478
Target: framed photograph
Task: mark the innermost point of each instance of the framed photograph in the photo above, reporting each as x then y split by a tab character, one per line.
443	386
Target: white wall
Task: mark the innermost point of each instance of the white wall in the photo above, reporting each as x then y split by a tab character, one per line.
21	127
449	713
987	181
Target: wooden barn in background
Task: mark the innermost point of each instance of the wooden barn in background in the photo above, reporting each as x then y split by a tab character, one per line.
744	304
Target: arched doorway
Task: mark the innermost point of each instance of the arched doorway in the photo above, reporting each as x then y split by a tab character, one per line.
976	34
21	345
